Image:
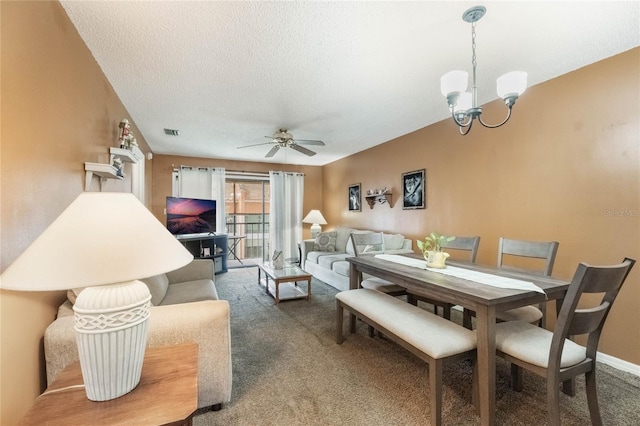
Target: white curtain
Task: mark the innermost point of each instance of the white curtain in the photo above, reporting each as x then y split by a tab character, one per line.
285	222
217	193
206	183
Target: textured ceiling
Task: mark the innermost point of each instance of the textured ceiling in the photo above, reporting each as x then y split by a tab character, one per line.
353	74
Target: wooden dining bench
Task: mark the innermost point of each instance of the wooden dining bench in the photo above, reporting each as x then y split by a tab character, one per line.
431	338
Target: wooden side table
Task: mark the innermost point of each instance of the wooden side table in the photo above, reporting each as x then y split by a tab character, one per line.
166	395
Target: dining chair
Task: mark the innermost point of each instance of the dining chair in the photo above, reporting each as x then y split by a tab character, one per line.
468	245
371	243
523	253
552	354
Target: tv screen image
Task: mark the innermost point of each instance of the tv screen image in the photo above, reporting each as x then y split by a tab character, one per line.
190	215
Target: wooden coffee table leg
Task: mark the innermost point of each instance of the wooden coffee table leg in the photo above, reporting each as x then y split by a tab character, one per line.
277	284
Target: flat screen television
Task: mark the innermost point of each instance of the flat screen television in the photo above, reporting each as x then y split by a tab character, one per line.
190	215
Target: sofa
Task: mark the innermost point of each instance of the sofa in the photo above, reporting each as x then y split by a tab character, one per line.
325	256
185	309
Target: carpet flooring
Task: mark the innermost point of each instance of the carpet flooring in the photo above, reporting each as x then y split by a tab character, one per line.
288	370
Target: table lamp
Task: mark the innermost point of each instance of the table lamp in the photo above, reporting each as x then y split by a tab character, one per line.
316	219
104	242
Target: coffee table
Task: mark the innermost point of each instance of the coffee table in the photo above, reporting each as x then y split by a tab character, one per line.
289	275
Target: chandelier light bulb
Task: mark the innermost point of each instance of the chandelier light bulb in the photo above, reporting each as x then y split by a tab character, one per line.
464	103
512	83
454	81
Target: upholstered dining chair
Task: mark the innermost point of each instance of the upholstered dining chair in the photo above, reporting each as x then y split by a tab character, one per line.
541	252
467	245
552	354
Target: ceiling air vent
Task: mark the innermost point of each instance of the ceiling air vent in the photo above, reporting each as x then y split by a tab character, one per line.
172	132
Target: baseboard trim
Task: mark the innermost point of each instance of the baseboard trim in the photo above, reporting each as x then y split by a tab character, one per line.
619	364
611	361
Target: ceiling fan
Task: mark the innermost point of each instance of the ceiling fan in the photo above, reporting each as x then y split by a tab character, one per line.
283	139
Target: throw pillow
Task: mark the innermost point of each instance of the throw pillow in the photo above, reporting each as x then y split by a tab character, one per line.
393	242
158	286
325	241
73	293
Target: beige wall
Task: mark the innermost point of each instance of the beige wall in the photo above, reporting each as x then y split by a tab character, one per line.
568	159
58	111
163	165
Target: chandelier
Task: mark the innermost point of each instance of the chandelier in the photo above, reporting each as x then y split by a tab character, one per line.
464	105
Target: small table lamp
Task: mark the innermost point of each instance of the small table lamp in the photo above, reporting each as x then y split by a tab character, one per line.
105	242
316	219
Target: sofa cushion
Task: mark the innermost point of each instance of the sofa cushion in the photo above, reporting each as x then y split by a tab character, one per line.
313	256
341	268
328	260
393	241
325	241
190	291
157	287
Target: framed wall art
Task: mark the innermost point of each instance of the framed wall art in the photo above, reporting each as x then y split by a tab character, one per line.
355	200
413	195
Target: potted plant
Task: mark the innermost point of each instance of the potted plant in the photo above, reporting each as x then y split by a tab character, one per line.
431	248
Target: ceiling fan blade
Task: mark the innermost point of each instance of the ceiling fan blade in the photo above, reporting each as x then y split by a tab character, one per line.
273	151
302	149
309	142
255	144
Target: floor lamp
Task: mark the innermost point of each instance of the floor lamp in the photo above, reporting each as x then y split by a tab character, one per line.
104	242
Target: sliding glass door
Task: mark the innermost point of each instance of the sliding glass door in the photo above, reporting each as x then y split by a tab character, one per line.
247	218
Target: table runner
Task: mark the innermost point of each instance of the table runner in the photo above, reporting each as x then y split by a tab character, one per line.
467	274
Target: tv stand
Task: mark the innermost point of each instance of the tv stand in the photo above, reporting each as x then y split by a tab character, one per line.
208	246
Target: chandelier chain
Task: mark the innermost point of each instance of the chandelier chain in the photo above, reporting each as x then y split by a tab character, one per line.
473	45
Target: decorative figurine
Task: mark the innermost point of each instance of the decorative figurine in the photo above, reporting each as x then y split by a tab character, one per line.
117	163
124	132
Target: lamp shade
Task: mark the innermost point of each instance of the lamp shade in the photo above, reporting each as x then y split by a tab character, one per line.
511	83
314	216
464	103
101	238
454	81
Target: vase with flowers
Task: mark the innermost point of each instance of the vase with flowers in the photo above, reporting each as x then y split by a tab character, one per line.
432	249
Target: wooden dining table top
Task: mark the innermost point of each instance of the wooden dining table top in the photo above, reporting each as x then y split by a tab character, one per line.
461	291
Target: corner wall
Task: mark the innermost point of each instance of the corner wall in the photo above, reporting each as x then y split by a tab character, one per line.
566	167
58	112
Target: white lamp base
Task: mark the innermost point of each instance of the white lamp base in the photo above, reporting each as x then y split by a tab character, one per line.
111	324
315	230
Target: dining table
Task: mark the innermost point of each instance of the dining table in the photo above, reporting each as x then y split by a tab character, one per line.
484	299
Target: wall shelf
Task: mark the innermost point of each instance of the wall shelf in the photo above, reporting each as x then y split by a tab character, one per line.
109	171
379	198
125	155
104	171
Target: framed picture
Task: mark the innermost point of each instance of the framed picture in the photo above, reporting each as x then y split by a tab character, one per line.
355	200
413	184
